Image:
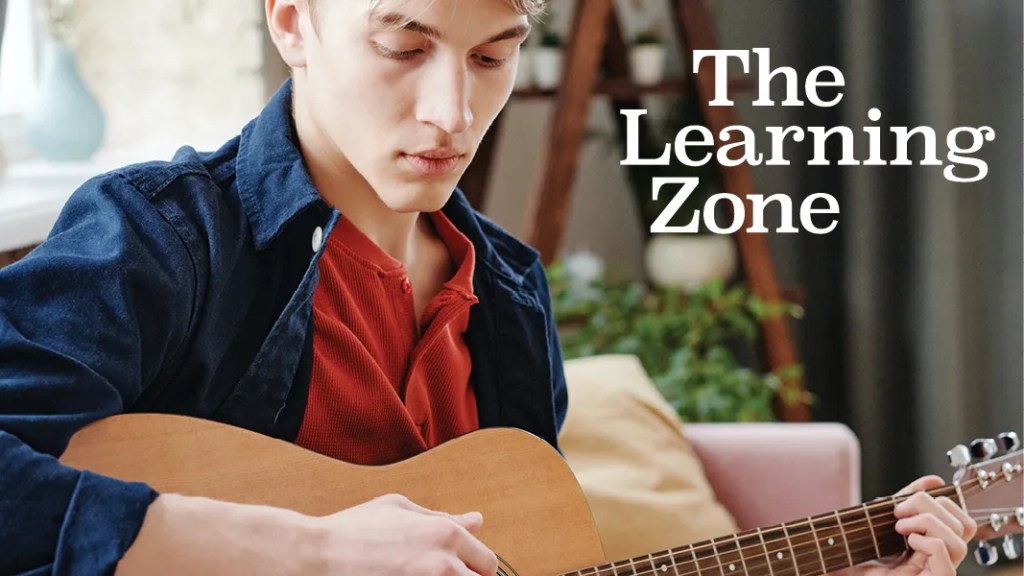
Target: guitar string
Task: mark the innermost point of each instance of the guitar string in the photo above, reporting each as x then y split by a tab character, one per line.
753	562
884	503
856	546
859	544
857	549
857	512
1008	510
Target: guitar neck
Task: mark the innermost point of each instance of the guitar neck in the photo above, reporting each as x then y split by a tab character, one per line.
809	547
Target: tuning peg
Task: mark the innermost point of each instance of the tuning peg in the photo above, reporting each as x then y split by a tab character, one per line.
1019	515
1010	470
984	448
1008	442
986	554
959	456
996	521
1011	548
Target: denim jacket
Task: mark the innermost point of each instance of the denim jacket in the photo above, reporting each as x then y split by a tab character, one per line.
186	287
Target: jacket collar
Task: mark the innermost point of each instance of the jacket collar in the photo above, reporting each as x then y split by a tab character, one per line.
274	187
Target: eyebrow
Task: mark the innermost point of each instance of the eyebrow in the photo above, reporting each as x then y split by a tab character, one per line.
394	20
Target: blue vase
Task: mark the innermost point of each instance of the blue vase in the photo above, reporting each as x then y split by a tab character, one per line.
66	122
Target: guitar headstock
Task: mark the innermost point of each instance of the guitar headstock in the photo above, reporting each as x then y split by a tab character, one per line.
989	477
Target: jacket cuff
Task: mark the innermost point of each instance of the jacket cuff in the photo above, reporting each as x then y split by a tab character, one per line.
102	521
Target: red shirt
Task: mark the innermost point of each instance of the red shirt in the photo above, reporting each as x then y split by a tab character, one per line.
380	392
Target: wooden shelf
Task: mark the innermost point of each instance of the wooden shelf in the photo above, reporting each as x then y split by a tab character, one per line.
596	62
622	89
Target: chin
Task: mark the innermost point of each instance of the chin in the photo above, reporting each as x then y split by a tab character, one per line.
418	197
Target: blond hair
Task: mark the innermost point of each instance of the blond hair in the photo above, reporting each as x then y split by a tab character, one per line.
523	7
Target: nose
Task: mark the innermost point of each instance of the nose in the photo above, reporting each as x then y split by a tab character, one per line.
445	98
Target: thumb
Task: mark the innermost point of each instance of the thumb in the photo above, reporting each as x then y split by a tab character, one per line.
471	521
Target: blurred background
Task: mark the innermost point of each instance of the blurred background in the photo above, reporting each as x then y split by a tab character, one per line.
908	321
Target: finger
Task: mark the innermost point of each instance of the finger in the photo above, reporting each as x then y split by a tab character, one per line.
922	483
922	503
469	520
939	562
970	524
930	526
448	564
473	552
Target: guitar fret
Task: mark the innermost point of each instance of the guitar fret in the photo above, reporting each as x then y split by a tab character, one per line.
817	543
728	559
672	559
714	549
650	560
778	551
739	550
846	543
871	527
792	551
767	556
828	534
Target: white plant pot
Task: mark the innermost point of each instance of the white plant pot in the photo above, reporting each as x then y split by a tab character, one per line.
648	63
547	67
688	261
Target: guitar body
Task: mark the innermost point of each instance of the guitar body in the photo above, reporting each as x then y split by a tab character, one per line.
535	515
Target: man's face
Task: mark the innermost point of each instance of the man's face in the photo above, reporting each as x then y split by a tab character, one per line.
401	95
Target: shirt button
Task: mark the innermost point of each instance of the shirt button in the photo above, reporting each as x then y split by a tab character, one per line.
318	238
406	286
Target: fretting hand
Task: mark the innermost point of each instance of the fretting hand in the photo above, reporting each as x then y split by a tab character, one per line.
937	532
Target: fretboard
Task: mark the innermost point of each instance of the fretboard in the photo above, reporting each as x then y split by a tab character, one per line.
808	547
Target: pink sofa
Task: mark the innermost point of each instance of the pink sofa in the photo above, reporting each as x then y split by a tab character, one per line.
765	474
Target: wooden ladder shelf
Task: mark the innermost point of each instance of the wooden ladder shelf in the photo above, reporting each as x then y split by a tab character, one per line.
596	38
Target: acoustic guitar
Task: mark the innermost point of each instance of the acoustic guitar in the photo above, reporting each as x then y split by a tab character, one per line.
536	516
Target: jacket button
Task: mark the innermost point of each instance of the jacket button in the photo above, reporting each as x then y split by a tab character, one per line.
318	238
406	286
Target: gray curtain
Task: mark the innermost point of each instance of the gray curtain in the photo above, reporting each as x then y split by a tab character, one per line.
933	269
914	325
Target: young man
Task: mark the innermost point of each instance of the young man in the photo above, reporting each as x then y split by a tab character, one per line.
317	280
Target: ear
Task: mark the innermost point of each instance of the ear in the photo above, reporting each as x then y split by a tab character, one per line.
283	20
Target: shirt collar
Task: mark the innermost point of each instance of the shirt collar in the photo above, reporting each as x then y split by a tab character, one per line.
273	182
274	186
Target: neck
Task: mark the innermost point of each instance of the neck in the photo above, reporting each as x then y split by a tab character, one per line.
344	188
809	547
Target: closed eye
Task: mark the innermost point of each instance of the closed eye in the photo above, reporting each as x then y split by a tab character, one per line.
488	62
397	54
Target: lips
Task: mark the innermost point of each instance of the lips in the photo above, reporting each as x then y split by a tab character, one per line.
436	162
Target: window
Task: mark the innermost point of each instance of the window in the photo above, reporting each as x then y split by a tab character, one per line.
18	64
17	59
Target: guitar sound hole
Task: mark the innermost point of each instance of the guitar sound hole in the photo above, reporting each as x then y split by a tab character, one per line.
504	568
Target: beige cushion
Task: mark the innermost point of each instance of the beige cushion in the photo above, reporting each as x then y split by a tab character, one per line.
646	487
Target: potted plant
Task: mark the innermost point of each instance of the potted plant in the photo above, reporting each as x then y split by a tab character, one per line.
547	61
647	56
689	343
684	261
